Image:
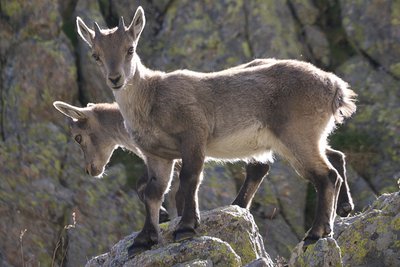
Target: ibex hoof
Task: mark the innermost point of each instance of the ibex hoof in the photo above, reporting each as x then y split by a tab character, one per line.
137	248
309	240
164	216
183	234
344	209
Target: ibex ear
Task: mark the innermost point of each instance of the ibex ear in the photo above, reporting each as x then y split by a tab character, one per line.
84	31
137	24
68	110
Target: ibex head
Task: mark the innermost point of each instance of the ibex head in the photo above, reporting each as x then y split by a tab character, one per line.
114	49
95	141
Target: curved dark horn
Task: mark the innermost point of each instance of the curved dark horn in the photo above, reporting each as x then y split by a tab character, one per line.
97	30
121	24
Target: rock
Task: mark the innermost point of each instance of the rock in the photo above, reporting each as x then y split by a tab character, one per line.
3	261
371	238
316	45
261	262
362	193
239	243
105	213
39	18
217	188
195	263
154	13
373	28
271	30
6	39
213	36
306	11
278	236
51	68
42	181
278	209
40	194
324	253
213	249
92	83
373	152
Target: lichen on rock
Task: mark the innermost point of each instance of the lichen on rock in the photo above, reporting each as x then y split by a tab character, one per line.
227	236
324	253
371	237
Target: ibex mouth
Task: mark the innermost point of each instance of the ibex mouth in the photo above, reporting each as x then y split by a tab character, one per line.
116	87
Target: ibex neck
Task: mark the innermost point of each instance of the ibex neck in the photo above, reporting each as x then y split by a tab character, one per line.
122	137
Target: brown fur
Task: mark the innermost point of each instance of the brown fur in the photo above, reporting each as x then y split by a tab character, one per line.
287	107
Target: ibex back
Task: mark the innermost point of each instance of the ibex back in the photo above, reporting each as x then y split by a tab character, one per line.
287	107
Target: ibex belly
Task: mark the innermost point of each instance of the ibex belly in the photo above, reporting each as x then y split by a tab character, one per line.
252	142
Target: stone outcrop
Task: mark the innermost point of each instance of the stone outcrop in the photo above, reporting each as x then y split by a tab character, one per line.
324	253
227	236
370	238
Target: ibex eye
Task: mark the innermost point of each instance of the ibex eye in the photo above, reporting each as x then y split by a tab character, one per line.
78	138
96	57
130	51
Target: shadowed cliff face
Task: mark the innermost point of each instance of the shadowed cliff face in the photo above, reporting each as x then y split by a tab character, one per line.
42	180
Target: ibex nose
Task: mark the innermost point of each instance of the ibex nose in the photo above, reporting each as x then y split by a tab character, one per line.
114	79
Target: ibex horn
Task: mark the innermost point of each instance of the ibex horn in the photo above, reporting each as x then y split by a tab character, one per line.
97	30
121	24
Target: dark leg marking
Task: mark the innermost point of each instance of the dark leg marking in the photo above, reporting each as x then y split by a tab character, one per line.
255	173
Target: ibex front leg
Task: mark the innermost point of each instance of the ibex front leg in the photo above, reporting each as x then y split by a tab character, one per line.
190	177
159	173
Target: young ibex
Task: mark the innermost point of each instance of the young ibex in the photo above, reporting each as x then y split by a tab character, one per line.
287	107
99	129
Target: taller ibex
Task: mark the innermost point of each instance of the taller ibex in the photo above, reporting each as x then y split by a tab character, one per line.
287	107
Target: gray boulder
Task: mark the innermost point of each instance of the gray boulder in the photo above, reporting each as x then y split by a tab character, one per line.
371	238
324	253
227	236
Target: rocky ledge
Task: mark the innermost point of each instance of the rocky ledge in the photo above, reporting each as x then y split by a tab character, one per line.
227	236
370	238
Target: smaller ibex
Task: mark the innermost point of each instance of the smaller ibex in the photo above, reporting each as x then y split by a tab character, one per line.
287	107
99	129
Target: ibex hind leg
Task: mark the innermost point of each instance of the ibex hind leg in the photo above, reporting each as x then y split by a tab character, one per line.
255	173
305	156
345	203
